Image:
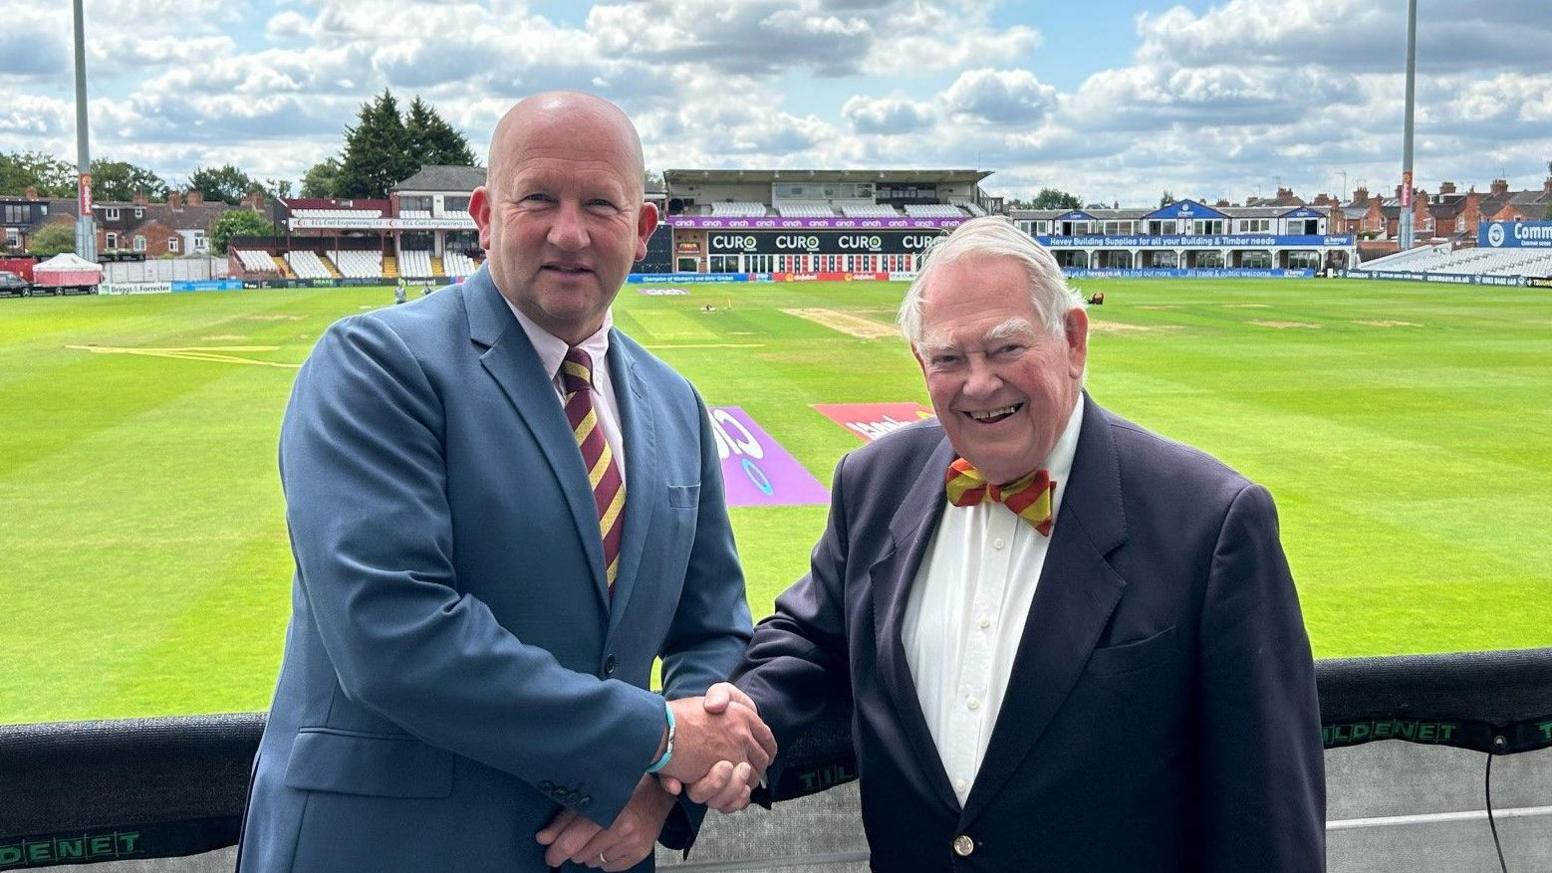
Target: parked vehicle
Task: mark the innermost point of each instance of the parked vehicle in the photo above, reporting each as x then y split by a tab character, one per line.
12	285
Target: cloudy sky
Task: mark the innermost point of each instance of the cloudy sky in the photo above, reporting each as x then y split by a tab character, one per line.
1113	99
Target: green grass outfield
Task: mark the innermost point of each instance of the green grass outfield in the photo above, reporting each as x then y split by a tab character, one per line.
1405	430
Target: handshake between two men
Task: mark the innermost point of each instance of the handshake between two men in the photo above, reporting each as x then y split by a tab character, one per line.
721	748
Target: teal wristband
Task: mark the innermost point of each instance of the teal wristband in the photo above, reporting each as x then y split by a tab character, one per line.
668	749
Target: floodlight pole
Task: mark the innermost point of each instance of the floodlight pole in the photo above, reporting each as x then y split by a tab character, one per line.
1404	240
85	228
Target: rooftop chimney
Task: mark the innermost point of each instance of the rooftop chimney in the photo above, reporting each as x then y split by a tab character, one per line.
32	193
1500	186
196	198
1446	187
1361	195
140	198
175	200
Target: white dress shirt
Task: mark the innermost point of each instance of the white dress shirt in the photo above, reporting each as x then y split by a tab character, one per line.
965	615
552	353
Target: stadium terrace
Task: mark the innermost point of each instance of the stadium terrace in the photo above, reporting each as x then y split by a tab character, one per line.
721	224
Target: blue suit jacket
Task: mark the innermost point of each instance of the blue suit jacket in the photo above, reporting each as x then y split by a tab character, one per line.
1161	711
455	671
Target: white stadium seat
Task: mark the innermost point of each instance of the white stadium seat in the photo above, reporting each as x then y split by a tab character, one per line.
803	209
255	261
1465	262
307	265
415	264
933	210
359	265
458	265
738	209
336	213
865	209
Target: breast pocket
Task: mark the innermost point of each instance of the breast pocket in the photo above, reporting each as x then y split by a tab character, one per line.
684	496
1130	657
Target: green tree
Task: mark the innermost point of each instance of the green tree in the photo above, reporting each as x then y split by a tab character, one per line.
431	140
376	151
226	184
1166	198
237	222
21	170
52	239
322	179
1055	198
118	181
276	189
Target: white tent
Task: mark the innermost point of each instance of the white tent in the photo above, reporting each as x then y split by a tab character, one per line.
66	270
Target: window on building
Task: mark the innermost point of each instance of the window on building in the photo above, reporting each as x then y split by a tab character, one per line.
110	215
110	240
1118	228
139	213
172	244
13	237
1460	224
1255	225
139	243
455	204
200	243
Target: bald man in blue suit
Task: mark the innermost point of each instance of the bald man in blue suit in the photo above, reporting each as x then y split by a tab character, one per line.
466	669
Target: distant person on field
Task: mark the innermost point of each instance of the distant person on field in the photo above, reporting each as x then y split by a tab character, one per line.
1058	641
502	510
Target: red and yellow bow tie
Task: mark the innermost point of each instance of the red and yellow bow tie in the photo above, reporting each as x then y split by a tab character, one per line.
1029	497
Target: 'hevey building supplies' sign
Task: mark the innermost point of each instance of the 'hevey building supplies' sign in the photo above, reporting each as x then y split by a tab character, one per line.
870	421
756	470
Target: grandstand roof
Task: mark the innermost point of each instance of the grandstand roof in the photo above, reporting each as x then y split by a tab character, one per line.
681	177
440	177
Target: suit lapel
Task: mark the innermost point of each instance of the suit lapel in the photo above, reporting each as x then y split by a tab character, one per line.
891	576
1078	591
643	478
510	359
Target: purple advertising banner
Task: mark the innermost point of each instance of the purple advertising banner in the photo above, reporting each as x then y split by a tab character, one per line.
756	470
903	223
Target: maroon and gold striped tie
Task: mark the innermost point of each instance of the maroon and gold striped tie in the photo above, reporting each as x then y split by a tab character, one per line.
1029	497
576	380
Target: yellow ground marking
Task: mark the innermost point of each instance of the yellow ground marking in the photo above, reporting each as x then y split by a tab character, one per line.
1122	327
1287	324
276	316
1387	323
846	322
224	338
217	354
1247	306
1161	308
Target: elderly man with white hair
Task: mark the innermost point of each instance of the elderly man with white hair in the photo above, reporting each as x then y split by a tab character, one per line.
1061	642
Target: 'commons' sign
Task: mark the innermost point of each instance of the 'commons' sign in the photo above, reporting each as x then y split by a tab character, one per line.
1515	235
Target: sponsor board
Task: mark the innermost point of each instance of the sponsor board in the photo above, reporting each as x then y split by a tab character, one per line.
663	291
1515	234
1437	278
756	470
686	278
771	223
115	289
1188	273
208	285
1539	283
869	421
826	276
1179	241
446	222
821	242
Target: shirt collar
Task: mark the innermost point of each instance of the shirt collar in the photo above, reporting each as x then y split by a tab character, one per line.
552	349
1059	462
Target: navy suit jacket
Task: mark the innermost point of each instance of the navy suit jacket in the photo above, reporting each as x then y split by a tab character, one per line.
1161	712
455	669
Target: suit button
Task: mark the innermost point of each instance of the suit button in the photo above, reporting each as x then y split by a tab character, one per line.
610	663
963	845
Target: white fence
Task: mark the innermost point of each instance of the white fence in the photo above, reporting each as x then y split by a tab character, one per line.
165	270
